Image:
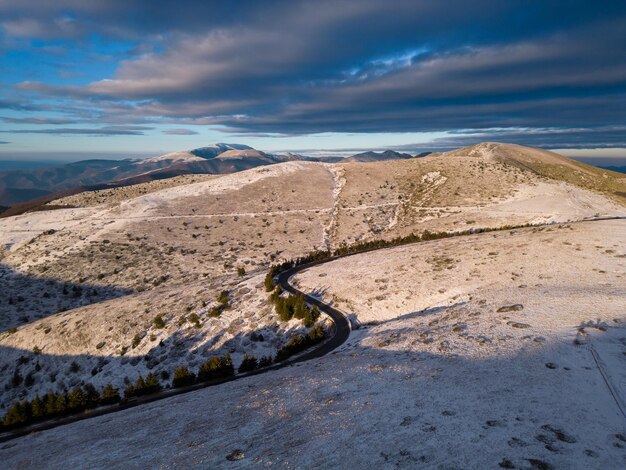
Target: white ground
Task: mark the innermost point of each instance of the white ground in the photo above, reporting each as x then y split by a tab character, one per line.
438	378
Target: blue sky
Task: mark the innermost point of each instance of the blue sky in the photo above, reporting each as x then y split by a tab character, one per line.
146	77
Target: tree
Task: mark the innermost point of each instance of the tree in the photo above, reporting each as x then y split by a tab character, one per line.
76	400
311	316
129	391
183	377
140	386
16	415
93	397
152	383
265	361
37	409
109	395
248	364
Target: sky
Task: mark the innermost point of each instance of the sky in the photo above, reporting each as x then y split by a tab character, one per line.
144	77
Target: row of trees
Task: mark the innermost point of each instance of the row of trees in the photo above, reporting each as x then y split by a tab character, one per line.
216	367
55	404
344	249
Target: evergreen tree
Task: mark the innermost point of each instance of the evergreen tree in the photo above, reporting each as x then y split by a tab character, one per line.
140	386
129	391
109	395
76	400
249	363
16	415
183	377
49	404
93	397
37	408
152	383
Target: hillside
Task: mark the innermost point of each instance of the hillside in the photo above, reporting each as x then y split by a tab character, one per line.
20	186
83	285
377	156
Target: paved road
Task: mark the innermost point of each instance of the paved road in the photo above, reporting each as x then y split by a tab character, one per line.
342	324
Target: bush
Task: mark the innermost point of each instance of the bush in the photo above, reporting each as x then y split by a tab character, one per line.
159	322
241	271
195	319
136	341
249	363
223	298
183	377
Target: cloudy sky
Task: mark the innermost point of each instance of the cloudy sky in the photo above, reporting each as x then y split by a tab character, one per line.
149	76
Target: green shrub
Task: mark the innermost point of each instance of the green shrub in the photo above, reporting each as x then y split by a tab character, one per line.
159	322
195	319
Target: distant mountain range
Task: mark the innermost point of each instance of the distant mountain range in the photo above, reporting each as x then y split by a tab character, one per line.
43	184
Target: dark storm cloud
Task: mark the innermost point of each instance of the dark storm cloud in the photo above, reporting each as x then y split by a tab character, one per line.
350	66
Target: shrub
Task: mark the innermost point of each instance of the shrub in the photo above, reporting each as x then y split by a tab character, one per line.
193	318
159	322
136	341
223	298
241	271
183	377
249	363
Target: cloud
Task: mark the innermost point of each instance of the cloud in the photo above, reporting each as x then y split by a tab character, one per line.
33	120
290	68
94	132
179	132
4	142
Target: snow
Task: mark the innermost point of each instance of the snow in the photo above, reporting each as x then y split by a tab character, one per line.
481	392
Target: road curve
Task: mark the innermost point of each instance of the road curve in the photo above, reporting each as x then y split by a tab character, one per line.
342	326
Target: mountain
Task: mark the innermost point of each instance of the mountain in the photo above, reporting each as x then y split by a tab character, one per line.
20	186
619	169
377	156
